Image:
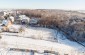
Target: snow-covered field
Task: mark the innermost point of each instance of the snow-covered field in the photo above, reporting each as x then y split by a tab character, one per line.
81	11
35	38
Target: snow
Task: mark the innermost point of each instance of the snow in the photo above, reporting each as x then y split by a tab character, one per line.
75	45
22	17
81	11
35	38
34	44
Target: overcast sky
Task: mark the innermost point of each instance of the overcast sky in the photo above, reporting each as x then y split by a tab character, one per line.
43	4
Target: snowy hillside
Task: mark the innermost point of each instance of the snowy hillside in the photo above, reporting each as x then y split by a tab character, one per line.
36	38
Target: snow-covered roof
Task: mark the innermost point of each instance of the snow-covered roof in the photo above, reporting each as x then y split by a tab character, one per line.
22	17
